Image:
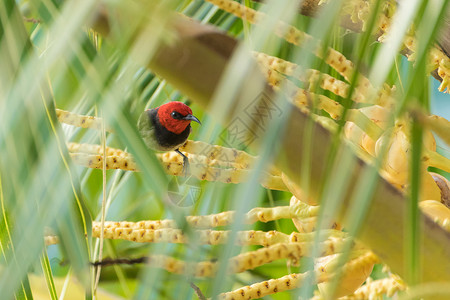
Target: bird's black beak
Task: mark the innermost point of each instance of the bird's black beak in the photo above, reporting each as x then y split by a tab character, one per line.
192	118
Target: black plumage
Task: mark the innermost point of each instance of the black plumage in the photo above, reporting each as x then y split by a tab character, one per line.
166	139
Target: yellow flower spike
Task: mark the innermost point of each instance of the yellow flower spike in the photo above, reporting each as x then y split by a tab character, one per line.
194	159
153	224
223	156
437	211
94	161
444	73
205	172
294	251
292	35
172	165
206	237
302	99
73	119
268	287
212	155
325	122
240	11
305	225
327	82
166	235
296	191
275	63
354	272
358	10
308	224
375	289
293	281
384	22
262	214
299	210
241	262
346	68
253	259
436	59
241	159
445	84
95	149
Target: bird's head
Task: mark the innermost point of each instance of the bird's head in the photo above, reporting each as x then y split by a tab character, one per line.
176	116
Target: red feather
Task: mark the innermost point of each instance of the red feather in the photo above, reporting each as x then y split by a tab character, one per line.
174	125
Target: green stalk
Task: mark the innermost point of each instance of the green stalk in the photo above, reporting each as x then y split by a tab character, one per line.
47	270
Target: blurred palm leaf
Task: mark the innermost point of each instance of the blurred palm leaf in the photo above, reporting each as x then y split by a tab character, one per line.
53	60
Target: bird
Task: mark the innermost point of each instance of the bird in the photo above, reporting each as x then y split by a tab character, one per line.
167	127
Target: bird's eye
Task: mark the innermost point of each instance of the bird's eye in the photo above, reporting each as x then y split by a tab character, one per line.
176	115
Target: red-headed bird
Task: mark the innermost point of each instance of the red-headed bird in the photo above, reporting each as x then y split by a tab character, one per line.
167	127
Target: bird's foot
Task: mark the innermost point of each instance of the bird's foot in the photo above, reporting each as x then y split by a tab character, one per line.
185	163
185	166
